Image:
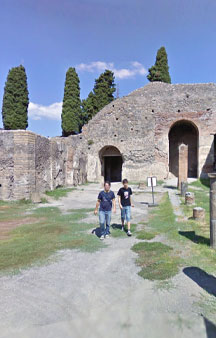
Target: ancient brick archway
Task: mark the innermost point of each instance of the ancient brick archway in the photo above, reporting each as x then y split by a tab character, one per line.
111	164
184	132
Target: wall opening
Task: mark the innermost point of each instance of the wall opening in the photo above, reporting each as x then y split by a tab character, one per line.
111	164
184	132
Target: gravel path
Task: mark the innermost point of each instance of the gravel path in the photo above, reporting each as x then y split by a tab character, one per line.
97	294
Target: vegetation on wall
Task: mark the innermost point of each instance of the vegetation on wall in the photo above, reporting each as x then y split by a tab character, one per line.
160	70
15	100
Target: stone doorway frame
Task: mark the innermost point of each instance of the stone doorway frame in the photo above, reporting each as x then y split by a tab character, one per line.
109	151
194	126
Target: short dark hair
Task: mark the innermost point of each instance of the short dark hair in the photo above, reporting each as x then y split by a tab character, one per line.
125	181
107	182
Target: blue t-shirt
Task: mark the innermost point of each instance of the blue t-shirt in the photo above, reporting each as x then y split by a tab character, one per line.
106	200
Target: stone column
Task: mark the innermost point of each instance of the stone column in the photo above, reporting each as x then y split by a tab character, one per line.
183	164
212	177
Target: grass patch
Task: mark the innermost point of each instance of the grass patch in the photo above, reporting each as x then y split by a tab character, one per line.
34	243
156	260
203	183
117	230
142	234
59	192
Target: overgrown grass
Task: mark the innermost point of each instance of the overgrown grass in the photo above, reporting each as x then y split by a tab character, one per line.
116	230
157	260
34	243
203	183
145	235
59	192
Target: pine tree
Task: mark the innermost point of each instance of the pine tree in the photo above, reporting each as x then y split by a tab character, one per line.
101	95
160	70
71	109
15	100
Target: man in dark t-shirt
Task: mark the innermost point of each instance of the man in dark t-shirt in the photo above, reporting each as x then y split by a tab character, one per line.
125	203
106	200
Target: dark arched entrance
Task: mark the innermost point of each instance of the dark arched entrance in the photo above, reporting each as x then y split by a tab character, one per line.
184	132
111	164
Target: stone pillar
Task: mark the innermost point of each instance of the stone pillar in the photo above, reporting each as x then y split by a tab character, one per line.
189	198
199	214
212	177
183	164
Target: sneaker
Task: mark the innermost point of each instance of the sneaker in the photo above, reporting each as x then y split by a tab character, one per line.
102	237
129	233
122	229
107	236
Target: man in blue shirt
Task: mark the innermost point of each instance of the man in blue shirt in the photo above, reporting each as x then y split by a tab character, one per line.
106	200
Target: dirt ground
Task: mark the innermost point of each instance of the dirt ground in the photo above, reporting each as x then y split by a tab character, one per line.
98	294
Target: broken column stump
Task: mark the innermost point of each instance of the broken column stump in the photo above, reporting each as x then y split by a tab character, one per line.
199	214
184	188
183	164
189	198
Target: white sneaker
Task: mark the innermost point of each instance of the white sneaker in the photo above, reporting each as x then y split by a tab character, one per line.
102	237
122	229
129	233
107	236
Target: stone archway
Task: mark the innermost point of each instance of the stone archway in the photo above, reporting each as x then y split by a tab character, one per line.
111	164
186	132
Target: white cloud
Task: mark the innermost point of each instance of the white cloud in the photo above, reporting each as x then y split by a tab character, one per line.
135	68
38	111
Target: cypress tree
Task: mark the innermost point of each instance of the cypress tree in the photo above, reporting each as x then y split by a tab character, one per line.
71	109
101	95
160	70
15	100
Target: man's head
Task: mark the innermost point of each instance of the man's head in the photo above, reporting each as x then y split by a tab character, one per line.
125	183
107	185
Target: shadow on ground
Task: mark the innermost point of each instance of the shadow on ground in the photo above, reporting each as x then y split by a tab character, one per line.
195	238
97	232
170	187
202	278
116	226
210	328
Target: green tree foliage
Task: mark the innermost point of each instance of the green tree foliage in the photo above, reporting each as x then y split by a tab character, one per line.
71	109
15	100
101	95
160	70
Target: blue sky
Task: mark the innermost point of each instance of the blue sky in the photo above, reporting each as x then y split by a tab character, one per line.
49	36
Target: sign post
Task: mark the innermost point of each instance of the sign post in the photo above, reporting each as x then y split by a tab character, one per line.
152	182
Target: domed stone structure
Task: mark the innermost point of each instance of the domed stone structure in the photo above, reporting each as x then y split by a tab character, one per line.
135	136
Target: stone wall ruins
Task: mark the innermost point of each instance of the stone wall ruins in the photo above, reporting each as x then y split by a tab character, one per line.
138	125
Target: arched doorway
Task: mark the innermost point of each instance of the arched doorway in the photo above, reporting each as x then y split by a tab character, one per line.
111	164
184	132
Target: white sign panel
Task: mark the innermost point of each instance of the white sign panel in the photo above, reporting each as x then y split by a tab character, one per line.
152	181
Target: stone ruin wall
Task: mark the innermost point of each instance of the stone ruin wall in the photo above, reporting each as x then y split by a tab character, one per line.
137	125
29	163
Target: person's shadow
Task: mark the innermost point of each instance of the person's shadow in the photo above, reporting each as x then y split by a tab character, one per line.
116	226
202	278
97	232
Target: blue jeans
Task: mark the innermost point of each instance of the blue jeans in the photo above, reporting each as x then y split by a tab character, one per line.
104	217
126	213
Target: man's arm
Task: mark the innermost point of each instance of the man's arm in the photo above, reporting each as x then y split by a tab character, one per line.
97	206
131	203
119	201
114	205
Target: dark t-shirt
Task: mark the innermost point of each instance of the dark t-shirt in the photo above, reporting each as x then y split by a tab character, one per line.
125	196
106	200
